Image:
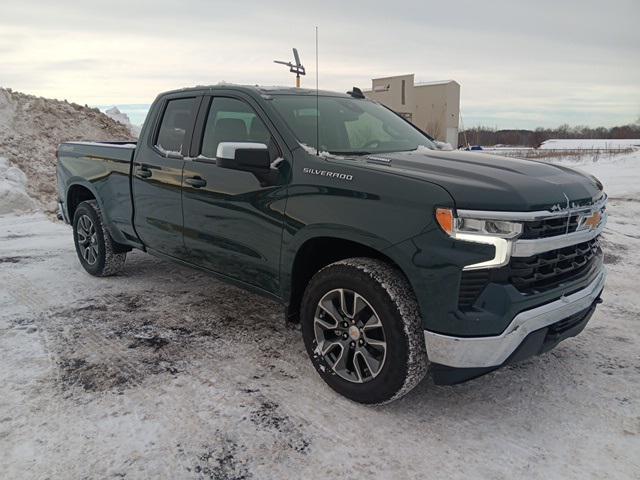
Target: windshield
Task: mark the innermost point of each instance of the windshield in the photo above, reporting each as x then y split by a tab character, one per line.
348	126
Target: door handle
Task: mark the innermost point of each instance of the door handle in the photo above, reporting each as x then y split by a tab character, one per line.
143	172
196	182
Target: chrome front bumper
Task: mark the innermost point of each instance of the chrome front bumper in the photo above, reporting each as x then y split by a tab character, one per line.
478	352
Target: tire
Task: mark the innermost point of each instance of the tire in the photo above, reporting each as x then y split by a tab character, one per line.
98	253
367	289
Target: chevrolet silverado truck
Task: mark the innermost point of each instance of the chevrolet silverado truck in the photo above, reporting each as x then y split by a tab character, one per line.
395	257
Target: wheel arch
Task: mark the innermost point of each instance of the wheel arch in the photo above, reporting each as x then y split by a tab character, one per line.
77	193
319	251
81	191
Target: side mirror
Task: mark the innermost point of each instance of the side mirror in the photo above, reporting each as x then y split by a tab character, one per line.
248	156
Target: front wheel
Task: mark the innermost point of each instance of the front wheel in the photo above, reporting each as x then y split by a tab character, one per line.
362	330
97	252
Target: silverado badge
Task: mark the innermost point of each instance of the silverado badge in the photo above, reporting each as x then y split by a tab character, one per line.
326	173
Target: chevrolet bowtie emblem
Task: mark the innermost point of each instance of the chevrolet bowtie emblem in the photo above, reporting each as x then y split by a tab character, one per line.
592	222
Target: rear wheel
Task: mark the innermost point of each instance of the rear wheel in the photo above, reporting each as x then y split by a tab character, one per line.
362	330
97	252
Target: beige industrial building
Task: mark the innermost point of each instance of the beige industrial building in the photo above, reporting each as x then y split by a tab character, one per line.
431	106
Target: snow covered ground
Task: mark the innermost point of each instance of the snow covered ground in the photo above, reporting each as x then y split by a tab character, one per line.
164	372
588	144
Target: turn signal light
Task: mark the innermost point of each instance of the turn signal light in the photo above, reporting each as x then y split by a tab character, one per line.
444	216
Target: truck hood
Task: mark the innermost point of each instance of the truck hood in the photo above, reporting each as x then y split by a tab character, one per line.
490	182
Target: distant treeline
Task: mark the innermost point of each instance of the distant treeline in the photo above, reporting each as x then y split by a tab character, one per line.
533	138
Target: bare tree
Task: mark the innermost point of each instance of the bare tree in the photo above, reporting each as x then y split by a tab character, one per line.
533	138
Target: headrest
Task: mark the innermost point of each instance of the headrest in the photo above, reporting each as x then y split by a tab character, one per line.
232	129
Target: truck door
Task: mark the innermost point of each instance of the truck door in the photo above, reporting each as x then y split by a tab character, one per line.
157	176
233	220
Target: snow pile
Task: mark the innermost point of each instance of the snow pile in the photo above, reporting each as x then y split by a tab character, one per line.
121	117
31	129
589	144
13	197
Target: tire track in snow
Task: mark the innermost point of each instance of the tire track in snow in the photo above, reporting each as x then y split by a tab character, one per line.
22	290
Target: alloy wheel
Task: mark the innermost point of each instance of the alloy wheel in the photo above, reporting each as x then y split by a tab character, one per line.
349	335
87	239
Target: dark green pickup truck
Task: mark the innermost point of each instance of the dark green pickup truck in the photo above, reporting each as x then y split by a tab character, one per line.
397	258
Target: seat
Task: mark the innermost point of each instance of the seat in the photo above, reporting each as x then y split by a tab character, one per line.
171	138
224	130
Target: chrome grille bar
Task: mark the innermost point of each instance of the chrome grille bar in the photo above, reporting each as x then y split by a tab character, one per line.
532	216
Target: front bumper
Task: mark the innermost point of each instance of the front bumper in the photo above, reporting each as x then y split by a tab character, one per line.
493	351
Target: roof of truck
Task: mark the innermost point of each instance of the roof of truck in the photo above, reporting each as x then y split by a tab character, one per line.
260	90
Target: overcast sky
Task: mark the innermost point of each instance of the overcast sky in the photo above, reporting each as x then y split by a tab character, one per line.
519	63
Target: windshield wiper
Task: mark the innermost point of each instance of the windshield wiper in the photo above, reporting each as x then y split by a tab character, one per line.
350	152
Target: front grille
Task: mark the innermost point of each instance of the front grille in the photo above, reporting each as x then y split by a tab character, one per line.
535	274
547	270
549	227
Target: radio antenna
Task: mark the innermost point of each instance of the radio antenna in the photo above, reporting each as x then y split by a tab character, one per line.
317	101
296	68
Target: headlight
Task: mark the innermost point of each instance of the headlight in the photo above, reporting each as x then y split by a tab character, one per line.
475	226
498	233
497	228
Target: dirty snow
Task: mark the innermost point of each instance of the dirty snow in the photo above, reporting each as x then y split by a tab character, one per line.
13	196
31	129
164	372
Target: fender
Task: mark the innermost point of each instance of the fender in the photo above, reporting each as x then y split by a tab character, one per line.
79	181
291	248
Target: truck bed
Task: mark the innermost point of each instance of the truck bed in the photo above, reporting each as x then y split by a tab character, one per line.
122	151
103	168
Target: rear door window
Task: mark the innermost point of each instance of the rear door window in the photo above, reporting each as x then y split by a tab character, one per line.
176	121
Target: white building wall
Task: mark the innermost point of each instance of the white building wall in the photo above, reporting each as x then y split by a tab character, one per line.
433	107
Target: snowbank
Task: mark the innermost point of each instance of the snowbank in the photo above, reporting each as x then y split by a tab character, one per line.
31	129
588	144
13	196
115	114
